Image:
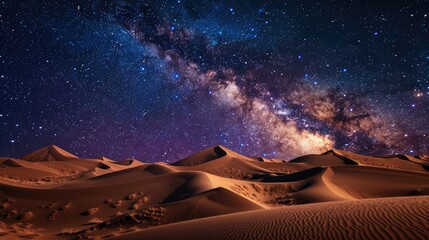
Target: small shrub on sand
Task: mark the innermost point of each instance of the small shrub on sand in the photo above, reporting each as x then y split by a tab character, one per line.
134	206
118	203
113	204
65	207
131	196
90	211
142	200
25	216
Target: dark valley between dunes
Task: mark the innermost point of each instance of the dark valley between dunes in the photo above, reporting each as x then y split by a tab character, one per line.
214	194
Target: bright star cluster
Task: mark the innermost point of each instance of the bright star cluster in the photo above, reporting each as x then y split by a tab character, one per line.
157	80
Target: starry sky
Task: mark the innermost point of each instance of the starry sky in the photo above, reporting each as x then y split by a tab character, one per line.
158	80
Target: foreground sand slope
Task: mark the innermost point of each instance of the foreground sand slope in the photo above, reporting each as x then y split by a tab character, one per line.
388	218
51	194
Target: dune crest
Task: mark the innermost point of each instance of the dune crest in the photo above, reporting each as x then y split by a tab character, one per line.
49	153
206	155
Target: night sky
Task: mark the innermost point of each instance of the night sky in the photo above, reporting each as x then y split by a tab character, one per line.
159	80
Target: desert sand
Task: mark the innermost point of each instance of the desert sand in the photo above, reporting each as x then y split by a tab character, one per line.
214	194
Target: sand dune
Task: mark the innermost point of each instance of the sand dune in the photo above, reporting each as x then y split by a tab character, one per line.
204	156
51	194
49	153
400	162
392	218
